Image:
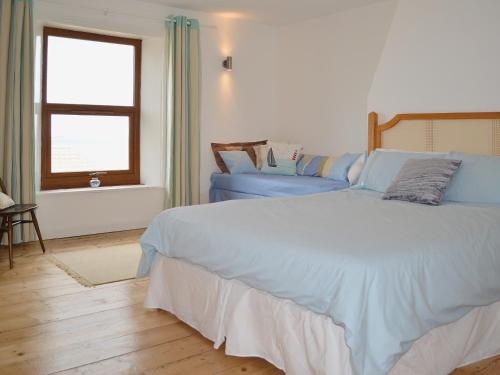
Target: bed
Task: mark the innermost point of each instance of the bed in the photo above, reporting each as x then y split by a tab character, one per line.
224	186
329	283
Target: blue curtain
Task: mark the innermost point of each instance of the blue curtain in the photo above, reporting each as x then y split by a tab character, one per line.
17	104
182	129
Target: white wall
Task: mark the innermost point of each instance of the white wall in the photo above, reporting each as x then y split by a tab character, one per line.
325	69
76	212
392	57
235	106
440	56
312	83
239	105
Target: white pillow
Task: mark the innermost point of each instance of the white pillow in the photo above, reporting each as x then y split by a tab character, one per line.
356	169
280	151
260	155
285	150
5	201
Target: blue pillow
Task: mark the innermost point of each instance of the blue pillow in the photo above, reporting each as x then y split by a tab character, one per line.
315	165
284	167
383	166
310	165
238	162
340	168
477	180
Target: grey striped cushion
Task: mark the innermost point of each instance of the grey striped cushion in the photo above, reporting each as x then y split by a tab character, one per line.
423	180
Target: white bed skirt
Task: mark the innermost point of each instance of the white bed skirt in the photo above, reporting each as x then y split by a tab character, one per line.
296	340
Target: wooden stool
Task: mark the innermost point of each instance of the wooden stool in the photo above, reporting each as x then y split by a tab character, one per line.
8	222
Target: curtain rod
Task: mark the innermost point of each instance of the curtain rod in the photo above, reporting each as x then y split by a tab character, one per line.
189	23
107	12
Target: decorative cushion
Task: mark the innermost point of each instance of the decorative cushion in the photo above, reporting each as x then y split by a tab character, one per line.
315	165
356	169
327	166
383	166
423	180
477	180
279	158
239	146
238	162
341	167
5	201
260	155
284	167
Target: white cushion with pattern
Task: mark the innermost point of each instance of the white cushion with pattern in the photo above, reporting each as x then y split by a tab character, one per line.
5	201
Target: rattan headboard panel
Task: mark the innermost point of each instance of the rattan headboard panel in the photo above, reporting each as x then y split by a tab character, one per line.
476	133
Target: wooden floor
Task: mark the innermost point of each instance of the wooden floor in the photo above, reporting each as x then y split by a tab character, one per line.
51	324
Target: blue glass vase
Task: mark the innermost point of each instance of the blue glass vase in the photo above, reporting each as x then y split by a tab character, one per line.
95	182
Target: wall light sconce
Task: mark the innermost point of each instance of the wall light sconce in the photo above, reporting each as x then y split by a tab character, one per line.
228	63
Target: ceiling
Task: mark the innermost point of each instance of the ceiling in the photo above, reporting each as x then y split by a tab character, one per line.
271	12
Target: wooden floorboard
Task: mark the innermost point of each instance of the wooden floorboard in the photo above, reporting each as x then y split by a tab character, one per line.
50	324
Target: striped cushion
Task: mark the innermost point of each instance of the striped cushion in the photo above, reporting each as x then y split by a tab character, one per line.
315	165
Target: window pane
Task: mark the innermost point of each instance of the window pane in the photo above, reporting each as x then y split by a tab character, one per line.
89	72
89	143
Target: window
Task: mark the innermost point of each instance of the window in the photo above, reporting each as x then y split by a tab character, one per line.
90	109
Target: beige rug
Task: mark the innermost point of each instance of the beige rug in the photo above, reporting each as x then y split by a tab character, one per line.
95	266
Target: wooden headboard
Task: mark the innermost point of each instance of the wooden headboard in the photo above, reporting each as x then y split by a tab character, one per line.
471	132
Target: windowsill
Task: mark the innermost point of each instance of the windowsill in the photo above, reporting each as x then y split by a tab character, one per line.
97	190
